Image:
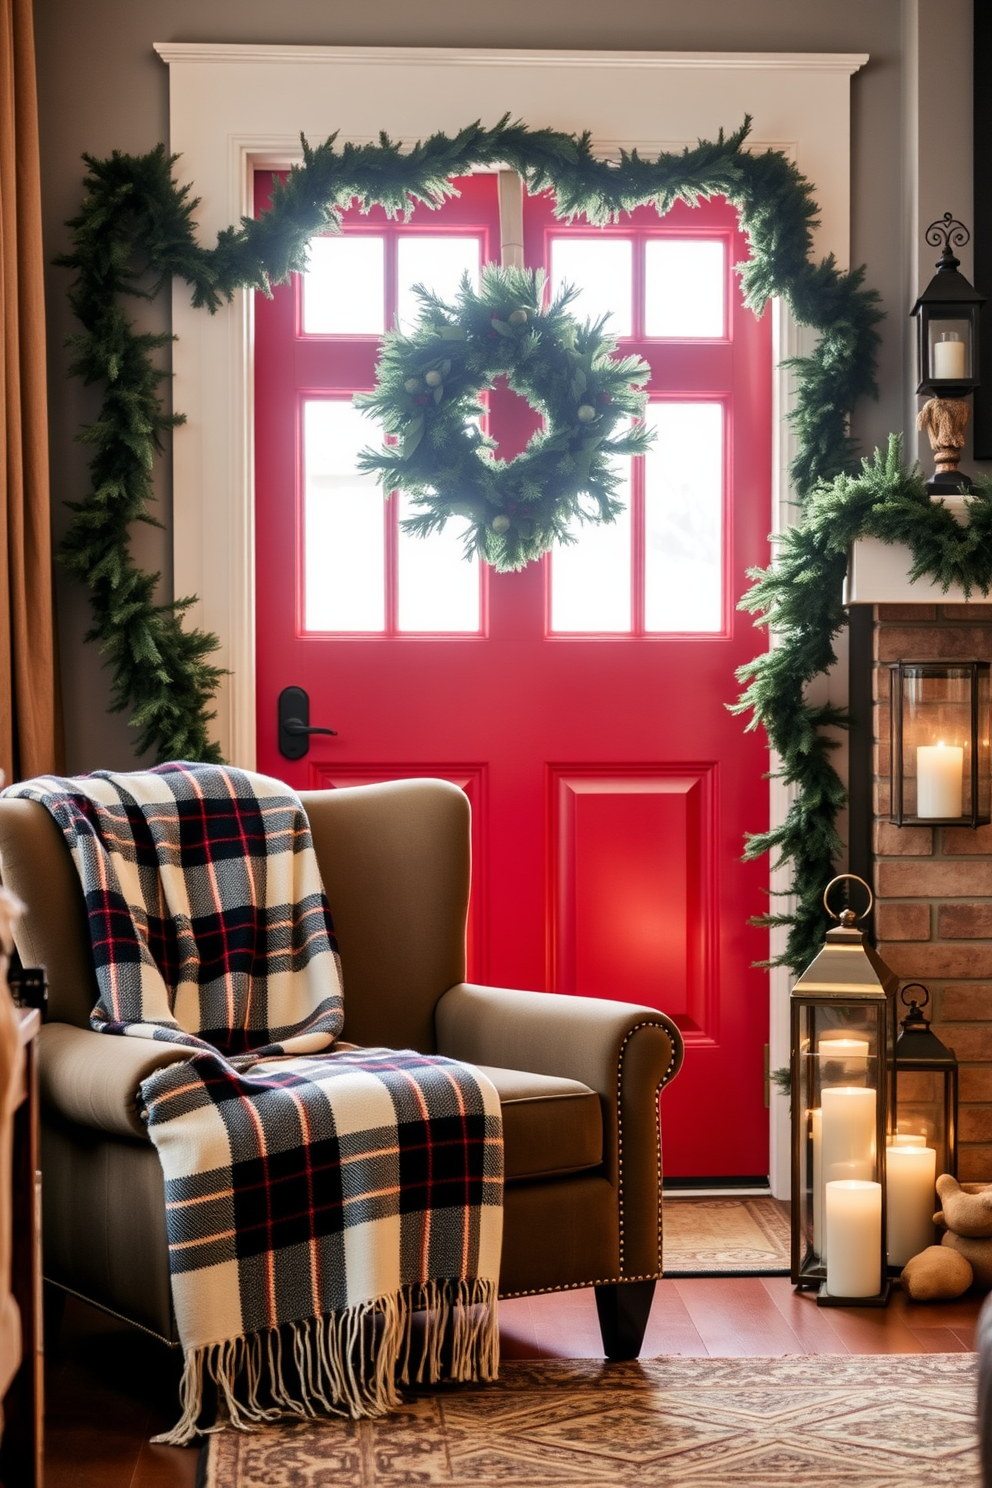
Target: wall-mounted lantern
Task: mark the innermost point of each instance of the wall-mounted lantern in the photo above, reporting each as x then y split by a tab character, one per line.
947	325
941	760
842	1038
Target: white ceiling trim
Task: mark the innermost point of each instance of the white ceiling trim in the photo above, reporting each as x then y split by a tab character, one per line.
213	53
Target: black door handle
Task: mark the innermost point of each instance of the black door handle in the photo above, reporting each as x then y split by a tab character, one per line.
294	723
297	726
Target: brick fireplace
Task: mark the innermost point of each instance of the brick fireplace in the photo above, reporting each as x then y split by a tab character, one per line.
933	885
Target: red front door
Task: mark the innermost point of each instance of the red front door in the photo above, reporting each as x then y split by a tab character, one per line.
580	703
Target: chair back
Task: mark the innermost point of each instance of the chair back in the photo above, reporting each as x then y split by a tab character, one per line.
395	862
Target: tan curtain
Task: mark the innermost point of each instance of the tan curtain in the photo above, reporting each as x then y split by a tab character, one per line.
27	642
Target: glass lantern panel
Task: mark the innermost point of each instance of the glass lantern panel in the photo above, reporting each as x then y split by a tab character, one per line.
983	743
936	742
839	1116
921	1113
950	348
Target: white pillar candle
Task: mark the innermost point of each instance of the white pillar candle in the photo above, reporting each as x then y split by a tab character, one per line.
910	1187
948	358
848	1133
908	1139
854	1238
939	779
819	1238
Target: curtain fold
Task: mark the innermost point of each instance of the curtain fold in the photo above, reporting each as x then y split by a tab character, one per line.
29	743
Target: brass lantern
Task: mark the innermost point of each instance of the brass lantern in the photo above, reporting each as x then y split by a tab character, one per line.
941	757
842	1037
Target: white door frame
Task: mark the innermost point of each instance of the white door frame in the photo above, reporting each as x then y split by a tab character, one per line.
234	108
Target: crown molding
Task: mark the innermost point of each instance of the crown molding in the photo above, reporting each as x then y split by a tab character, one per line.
220	53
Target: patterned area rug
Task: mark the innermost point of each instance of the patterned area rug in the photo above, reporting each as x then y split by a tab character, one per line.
877	1422
721	1237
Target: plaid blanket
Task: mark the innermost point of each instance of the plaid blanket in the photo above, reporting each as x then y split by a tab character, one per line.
317	1195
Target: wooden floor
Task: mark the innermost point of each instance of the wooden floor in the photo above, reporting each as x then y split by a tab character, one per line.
110	1388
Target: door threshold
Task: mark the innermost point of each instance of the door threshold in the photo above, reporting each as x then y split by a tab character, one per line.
716	1188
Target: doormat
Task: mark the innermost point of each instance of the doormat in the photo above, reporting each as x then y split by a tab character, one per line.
726	1237
862	1422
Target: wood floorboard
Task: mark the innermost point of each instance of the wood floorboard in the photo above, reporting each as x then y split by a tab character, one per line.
736	1318
939	1341
671	1329
110	1388
812	1325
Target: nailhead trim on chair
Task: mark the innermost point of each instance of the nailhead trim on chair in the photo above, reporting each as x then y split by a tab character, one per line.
651	1275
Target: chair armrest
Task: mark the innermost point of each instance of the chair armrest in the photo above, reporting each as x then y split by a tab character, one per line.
93	1078
579	1038
623	1051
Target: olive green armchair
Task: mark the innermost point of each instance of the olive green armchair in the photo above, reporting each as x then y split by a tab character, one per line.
578	1078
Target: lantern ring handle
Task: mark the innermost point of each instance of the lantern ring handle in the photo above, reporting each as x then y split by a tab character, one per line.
908	987
848	915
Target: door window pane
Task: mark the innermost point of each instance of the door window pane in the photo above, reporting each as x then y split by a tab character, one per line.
602	268
683	519
344	286
343	524
438	588
591	578
437	263
685	287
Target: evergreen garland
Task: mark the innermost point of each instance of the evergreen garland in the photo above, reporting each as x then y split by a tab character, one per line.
135	228
427	393
800	596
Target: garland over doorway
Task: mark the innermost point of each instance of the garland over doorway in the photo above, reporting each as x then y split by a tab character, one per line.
136	228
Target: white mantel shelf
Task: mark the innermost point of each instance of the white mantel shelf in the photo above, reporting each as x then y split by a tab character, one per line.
878	573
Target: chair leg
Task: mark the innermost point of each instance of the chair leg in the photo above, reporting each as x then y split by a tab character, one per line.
623	1309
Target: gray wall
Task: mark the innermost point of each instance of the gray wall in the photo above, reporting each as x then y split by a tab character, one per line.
102	88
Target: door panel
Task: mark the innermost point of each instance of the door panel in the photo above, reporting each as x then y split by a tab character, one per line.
610	786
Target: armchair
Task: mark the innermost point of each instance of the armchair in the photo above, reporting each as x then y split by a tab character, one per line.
578	1078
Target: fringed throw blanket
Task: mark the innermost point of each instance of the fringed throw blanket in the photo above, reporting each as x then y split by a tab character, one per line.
317	1197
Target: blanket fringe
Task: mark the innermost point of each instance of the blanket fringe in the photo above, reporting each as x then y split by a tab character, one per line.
347	1363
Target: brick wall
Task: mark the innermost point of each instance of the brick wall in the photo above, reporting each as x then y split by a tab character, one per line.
933	885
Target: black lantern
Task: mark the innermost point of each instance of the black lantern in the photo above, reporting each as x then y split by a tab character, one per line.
947	319
925	1088
842	1036
923	1140
941	760
947	324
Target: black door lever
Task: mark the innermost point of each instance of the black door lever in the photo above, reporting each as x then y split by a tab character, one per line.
294	723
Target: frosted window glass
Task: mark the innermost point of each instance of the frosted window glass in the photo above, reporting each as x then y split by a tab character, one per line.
344	532
590	579
683	518
685	287
344	286
437	263
438	588
602	268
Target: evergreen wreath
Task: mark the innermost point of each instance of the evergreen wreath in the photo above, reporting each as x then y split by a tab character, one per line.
428	386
